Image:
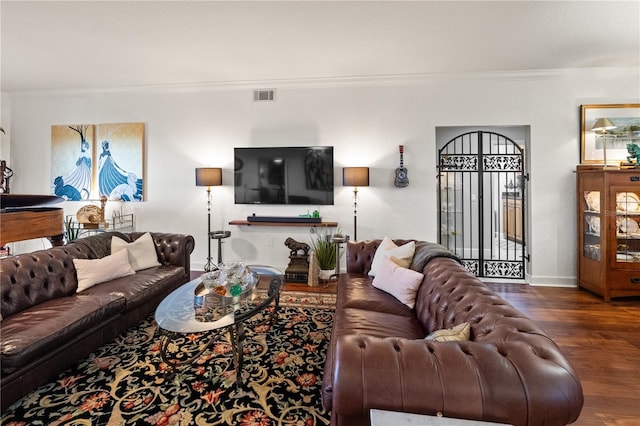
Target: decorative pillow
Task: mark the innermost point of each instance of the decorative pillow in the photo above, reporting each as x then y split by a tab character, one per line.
401	283
458	333
388	249
95	271
142	252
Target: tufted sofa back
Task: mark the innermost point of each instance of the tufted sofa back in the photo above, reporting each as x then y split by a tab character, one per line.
450	295
359	254
29	279
33	278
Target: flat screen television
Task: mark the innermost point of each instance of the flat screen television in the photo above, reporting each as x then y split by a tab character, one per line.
284	175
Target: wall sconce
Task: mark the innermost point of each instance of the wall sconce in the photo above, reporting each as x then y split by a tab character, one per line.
602	126
208	176
355	176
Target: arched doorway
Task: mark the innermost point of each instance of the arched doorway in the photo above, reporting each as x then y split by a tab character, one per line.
482	203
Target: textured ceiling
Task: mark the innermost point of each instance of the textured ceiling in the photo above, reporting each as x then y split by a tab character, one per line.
87	45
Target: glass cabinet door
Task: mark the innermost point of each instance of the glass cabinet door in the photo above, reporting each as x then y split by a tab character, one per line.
592	225
627	226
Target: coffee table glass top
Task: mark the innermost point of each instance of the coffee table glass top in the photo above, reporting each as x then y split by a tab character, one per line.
178	313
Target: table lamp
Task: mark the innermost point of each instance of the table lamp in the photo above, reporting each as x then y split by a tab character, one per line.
355	176
602	125
208	176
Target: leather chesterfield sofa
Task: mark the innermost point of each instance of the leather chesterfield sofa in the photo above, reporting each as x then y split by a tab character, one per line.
509	371
47	326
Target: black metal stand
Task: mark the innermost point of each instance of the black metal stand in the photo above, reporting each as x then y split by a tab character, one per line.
208	267
355	213
337	239
218	235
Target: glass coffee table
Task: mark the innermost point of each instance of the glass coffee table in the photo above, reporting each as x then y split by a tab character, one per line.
192	308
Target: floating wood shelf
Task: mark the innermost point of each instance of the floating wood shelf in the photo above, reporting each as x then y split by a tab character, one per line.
307	224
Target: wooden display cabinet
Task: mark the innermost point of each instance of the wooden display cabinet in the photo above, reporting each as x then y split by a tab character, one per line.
608	204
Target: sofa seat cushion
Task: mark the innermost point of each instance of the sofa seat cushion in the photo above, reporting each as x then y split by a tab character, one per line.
377	324
358	292
31	333
143	286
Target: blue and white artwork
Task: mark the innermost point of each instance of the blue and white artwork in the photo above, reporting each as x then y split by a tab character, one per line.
90	161
120	162
71	161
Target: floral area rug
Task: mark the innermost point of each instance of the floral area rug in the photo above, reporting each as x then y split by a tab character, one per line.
126	382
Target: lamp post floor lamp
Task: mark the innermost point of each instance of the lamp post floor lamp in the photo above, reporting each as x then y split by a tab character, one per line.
355	176
209	176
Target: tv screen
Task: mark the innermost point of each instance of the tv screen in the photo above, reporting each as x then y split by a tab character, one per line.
284	175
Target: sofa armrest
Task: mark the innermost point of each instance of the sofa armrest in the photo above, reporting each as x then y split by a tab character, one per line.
173	249
473	380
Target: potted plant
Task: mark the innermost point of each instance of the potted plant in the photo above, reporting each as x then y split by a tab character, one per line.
325	252
71	231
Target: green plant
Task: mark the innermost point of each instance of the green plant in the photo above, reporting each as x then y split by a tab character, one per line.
324	249
71	232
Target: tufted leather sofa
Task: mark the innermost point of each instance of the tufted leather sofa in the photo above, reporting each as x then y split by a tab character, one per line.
509	372
47	326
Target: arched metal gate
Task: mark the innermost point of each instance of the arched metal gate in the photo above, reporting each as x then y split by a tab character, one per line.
482	203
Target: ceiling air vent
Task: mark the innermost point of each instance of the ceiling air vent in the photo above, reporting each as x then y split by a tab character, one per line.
264	95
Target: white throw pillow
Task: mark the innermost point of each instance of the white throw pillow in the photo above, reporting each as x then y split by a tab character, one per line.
142	252
95	271
401	283
402	255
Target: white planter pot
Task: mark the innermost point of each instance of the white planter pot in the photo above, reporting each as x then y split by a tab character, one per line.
325	274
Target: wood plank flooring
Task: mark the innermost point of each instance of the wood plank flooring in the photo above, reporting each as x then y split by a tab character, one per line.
601	341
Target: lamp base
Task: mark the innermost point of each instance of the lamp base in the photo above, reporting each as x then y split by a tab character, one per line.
210	266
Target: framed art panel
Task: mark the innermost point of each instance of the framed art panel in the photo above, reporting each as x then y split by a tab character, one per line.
72	167
626	118
89	161
121	161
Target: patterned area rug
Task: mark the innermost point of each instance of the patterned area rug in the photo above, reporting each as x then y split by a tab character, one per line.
126	382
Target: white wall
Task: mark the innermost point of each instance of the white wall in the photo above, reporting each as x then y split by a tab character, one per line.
5	121
365	122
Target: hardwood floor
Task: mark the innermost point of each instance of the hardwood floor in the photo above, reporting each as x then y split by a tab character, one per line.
601	341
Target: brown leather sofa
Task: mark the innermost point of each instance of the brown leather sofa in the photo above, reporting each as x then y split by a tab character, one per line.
47	327
509	371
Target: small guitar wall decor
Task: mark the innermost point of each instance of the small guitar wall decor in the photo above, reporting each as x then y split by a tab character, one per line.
401	172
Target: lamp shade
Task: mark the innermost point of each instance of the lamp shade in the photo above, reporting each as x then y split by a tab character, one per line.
603	124
355	176
208	176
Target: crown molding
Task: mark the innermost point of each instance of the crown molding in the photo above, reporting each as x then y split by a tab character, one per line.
328	82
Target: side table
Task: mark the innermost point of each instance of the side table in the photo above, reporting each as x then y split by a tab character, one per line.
219	235
338	240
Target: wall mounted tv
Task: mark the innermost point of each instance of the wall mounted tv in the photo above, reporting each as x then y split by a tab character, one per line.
284	175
